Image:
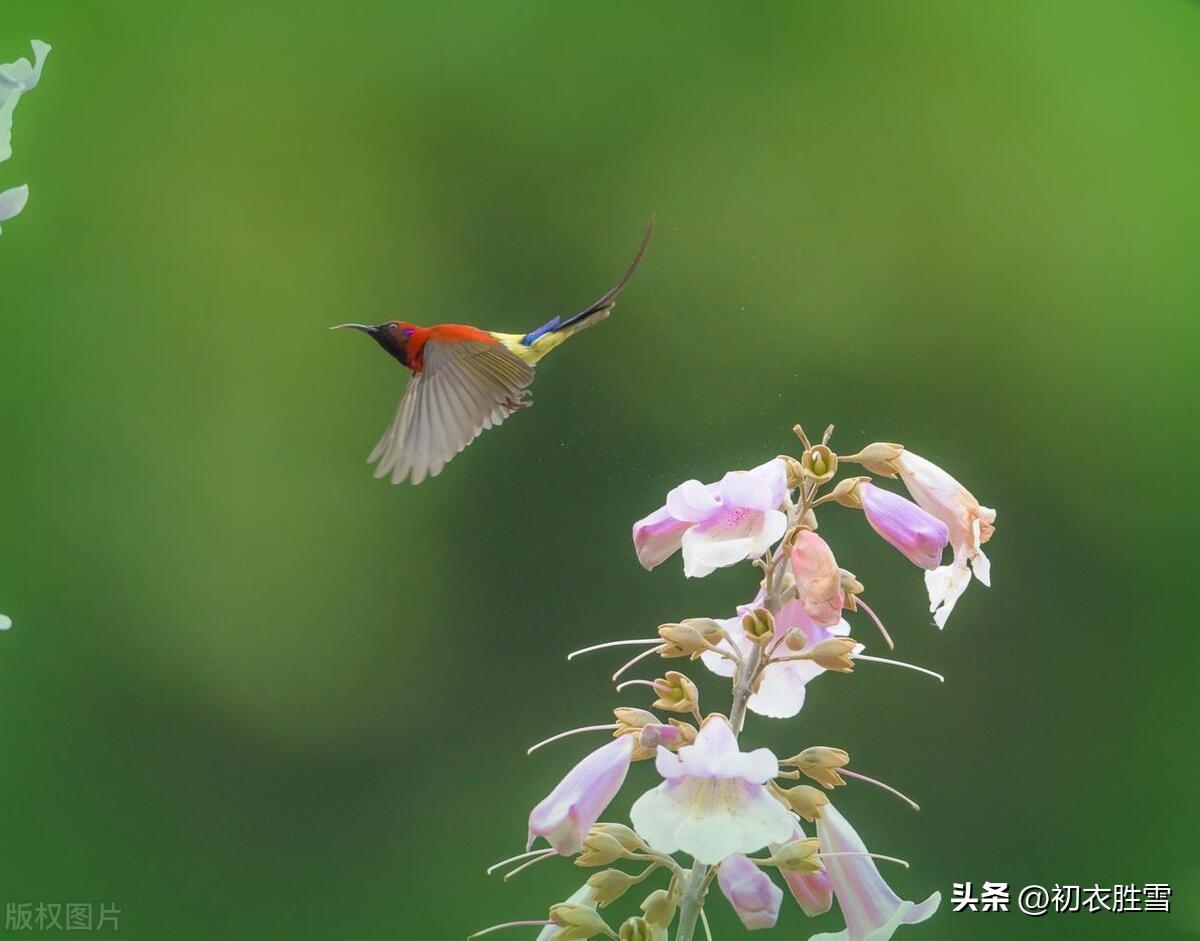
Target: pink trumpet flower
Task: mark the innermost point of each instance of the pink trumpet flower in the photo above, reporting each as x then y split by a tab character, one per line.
754	897
716	525
872	910
812	891
920	535
565	816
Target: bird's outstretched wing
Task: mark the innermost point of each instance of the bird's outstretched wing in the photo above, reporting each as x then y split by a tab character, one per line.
464	387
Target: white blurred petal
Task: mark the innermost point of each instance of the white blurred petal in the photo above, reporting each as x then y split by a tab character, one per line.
12	202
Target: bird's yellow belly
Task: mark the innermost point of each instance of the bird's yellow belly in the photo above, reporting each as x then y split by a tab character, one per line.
533	353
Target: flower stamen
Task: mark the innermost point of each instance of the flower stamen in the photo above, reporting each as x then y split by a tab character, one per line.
642	656
546	854
887	787
890	859
515	859
878	623
613	643
899	663
611	727
539	923
621	686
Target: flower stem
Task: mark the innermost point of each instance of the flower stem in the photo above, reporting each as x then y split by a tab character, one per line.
743	686
693	902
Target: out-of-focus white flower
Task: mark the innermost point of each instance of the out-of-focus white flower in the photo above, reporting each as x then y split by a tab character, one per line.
754	897
568	812
12	202
716	525
780	694
714	802
5	622
970	526
17	78
872	910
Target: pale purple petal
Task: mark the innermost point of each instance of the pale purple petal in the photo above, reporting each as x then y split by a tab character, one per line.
782	691
708	548
750	891
693	502
565	816
871	909
709	818
920	535
657	537
762	488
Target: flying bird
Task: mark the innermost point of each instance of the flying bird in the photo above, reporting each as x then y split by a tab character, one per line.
465	380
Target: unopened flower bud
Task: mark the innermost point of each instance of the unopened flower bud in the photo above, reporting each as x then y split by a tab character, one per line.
631	720
795	471
659	907
878	458
821	763
850	583
599	849
578	922
638	929
805	800
796	639
833	653
819	464
687	733
622	834
608	885
676	693
691	637
759	626
799	856
845	492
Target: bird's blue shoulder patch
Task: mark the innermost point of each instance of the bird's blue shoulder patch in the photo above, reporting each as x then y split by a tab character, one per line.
529	338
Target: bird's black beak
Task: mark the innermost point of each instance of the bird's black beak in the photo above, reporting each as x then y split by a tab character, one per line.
370	331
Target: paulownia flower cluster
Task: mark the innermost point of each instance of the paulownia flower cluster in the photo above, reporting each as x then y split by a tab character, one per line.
725	813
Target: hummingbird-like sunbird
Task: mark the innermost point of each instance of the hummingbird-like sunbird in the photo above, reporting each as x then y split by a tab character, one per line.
465	380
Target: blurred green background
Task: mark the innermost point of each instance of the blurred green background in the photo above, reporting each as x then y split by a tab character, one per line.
251	692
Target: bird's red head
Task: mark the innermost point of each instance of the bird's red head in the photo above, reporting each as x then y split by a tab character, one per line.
393	336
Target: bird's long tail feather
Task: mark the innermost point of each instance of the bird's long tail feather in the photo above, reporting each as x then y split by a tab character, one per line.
596	312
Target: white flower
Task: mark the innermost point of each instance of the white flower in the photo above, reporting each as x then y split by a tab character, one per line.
12	202
17	78
970	526
714	802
